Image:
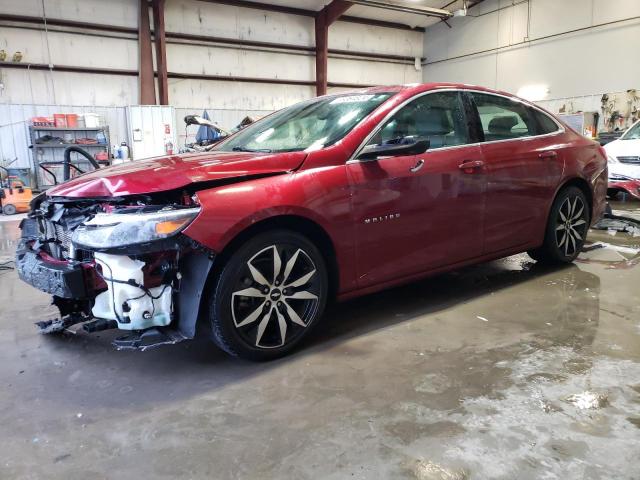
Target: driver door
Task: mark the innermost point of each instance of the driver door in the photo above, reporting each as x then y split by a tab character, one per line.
415	213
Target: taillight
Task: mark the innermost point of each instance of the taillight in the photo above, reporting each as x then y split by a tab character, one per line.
602	151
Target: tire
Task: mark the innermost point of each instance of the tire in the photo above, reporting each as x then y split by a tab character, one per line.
258	317
570	213
9	209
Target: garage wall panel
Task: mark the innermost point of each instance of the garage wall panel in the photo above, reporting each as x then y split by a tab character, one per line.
213	19
66	88
123	13
366	38
237	96
372	73
66	49
593	61
222	60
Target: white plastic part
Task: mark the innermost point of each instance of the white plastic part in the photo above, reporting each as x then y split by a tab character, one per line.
144	311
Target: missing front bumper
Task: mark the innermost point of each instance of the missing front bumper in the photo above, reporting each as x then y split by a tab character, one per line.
60	279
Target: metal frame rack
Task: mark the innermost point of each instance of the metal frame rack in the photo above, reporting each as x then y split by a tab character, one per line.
48	158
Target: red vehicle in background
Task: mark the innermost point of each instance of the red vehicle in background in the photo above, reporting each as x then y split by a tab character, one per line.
338	196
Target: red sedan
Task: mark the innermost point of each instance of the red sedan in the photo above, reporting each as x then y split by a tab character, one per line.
338	196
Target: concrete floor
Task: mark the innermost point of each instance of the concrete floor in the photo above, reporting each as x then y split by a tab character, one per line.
505	370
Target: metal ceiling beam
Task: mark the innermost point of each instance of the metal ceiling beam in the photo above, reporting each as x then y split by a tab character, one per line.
312	13
145	67
323	21
160	39
417	10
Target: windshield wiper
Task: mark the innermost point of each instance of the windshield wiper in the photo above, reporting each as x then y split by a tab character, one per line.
243	149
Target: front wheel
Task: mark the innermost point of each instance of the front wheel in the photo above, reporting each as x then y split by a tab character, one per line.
269	295
567	228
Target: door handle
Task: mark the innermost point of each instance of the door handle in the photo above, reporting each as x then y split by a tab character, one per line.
548	154
417	166
471	166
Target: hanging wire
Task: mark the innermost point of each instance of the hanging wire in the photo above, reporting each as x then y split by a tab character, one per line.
46	32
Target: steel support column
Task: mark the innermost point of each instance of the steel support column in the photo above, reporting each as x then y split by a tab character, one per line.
323	20
145	68
161	51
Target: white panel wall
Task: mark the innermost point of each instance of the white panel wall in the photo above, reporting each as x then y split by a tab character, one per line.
196	18
123	13
507	50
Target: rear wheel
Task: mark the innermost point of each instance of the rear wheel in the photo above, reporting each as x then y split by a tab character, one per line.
269	295
567	228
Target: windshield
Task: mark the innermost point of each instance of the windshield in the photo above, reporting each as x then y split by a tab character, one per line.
633	133
312	124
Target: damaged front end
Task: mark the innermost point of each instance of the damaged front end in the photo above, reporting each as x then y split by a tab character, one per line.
117	262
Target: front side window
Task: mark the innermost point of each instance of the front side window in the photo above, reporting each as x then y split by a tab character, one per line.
504	119
438	117
313	124
633	133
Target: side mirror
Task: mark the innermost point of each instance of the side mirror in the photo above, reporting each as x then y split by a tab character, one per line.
414	147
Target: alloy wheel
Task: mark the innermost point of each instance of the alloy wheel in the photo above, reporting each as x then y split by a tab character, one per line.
571	226
275	297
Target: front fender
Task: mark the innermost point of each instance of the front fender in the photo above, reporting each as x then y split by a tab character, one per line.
321	195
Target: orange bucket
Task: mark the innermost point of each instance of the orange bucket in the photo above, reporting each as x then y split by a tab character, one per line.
72	120
60	120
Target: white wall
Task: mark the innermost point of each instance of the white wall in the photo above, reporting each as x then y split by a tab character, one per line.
120	50
506	49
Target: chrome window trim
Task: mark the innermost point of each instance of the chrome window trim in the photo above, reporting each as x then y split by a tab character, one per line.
378	127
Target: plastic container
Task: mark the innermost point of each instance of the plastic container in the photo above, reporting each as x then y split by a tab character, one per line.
59	120
42	121
91	120
72	120
123	151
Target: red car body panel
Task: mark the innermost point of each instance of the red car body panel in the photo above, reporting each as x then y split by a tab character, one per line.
632	187
388	225
168	173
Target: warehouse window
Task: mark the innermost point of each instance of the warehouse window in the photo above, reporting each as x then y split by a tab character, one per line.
438	117
504	119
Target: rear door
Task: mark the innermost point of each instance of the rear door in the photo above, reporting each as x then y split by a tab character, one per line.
523	166
418	212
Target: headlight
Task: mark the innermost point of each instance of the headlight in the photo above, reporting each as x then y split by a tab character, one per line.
612	159
112	230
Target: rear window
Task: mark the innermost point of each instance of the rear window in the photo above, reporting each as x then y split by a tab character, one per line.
502	118
545	123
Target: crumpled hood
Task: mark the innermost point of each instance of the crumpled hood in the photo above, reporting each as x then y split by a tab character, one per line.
168	173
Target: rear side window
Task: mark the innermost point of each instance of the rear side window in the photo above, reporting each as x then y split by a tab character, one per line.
504	119
438	117
545	123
